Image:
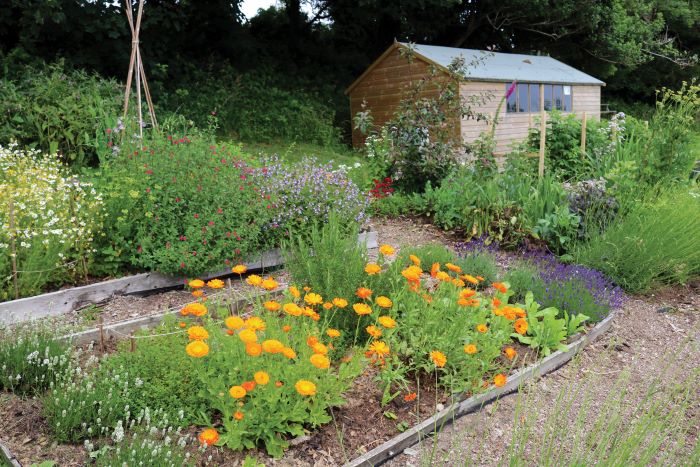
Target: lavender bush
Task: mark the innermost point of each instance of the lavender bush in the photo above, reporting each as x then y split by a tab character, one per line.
478	259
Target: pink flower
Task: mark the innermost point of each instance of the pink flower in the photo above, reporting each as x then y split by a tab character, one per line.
511	89
196	216
211	223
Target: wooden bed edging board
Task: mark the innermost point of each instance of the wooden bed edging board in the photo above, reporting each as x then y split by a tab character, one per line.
64	301
396	445
6	457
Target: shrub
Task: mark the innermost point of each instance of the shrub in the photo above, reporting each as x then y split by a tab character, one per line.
592	202
478	259
54	215
523	276
61	112
656	243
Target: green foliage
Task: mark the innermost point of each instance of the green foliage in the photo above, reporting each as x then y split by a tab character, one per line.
558	229
429	254
144	447
394	205
524	276
656	243
31	360
479	262
57	111
545	332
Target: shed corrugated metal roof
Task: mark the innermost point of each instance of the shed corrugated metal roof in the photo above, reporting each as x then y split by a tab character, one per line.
497	66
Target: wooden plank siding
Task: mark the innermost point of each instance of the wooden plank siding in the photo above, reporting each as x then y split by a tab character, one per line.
513	127
385	85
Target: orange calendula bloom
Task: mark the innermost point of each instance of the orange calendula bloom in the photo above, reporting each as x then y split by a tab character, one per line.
453	268
313	299
498	311
272	305
482	328
248	336
238	415
387	321
253	349
410	397
255	323
254	280
293	309
428	298
509	312
196	283
362	309
379	348
234	322
289	353
480	279
363	293
269	284
468	302
272	346
327	306
248	385
305	388
374	331
239	269
438	358
237	392
384	302
215	284
307	289
182	324
319	348
197	333
500	380
197	349
311	341
294	291
387	250
340	302
443	276
320	361
229	332
434	269
500	286
372	269
467	293
510	353
496	302
458	282
414	259
412	273
520	326
279	384
208	436
470	349
194	309
471	279
286	328
197	293
261	378
333	333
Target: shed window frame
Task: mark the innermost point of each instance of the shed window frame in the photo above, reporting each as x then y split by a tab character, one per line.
513	106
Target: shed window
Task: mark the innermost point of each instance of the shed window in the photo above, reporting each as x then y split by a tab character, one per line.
526	98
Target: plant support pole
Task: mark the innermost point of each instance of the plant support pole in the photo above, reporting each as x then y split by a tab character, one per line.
543	131
583	136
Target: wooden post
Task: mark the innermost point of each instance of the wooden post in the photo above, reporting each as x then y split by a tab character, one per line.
132	341
583	135
102	334
543	132
13	247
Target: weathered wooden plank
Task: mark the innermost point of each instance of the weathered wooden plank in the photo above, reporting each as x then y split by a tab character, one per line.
7	458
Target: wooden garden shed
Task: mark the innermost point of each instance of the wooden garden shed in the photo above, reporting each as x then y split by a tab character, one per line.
541	82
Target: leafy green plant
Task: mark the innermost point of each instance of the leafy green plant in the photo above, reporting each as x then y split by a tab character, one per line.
144	446
558	229
478	262
523	277
574	323
545	332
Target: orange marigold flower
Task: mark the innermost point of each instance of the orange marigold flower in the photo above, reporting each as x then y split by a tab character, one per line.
363	293
229	332
313	299
434	269
197	293
443	276
237	392
319	348
279	384
234	322
194	309
379	348
414	259
293	309
412	273
182	324
438	358
468	302
479	278
320	361
410	397
327	306
384	302
196	283
208	436
294	291
509	313
305	388
255	323
289	353
248	336
520	313
269	284
333	333
510	353
238	415
272	346
500	380
500	286
307	289
239	269
374	331
197	333
428	298
470	349
498	311
311	341
471	279
387	250
248	385
362	309
254	280
387	321
340	302
286	328
372	268
253	349
520	326
197	349
496	302
482	328
453	268
467	293
261	377
458	282
272	305
215	284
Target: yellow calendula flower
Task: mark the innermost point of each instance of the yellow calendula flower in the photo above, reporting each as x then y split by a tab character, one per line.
374	331
261	377
194	309
438	358
237	392
272	305
292	309
289	353
305	388
379	348
269	284
294	291
387	250
272	346
362	309
255	323
254	280
196	283
313	299
372	269
453	268
197	333
384	302
239	269
320	361
215	284
327	306
234	322
247	336
333	333
197	349
387	321
319	348
414	259
340	302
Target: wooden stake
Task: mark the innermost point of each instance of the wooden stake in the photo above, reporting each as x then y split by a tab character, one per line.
102	334
583	135
132	341
13	247
543	132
